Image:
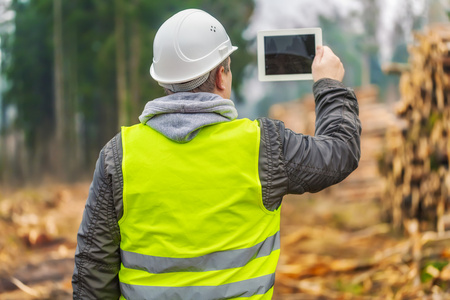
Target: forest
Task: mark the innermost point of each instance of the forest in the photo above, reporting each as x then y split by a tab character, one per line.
73	72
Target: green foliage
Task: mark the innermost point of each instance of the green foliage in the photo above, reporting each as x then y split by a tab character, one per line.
90	70
438	264
29	70
348	287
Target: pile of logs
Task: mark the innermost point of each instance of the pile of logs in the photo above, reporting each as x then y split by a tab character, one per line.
415	159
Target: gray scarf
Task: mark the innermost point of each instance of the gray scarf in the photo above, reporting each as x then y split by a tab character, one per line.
180	116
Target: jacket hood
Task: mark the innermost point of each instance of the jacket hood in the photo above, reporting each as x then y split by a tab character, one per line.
180	116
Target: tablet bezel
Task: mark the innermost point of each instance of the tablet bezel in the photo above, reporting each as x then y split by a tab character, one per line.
283	32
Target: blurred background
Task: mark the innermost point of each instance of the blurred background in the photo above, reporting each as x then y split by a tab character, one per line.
73	72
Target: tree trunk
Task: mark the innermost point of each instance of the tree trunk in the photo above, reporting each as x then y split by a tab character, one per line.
135	61
59	106
73	128
121	78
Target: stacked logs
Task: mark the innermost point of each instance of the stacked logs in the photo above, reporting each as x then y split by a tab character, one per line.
415	159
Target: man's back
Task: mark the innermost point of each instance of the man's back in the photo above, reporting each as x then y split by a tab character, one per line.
194	216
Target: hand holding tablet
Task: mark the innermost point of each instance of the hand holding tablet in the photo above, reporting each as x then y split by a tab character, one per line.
287	54
327	65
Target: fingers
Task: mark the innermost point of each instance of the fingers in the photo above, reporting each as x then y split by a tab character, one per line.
319	54
327	65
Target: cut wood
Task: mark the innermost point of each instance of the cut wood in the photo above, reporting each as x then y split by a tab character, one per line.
415	161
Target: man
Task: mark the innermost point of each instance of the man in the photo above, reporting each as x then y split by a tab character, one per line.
186	204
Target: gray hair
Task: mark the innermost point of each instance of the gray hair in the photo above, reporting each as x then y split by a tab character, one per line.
207	85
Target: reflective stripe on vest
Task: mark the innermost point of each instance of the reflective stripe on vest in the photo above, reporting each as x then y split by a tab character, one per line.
209	262
247	288
194	224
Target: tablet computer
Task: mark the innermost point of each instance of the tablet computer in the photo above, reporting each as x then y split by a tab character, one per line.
287	54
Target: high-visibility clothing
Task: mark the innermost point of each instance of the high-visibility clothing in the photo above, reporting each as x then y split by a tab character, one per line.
194	225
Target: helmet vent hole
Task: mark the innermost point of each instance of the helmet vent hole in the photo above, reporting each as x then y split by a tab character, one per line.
213	28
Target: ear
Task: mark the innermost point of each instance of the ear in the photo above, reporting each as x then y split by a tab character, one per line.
220	83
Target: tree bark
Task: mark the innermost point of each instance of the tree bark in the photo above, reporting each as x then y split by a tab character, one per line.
73	135
121	78
59	106
135	61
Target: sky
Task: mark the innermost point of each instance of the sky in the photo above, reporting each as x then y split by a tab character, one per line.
5	14
278	14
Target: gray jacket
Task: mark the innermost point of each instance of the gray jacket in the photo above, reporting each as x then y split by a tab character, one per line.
289	163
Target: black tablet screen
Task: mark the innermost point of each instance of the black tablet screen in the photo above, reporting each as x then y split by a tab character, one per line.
289	54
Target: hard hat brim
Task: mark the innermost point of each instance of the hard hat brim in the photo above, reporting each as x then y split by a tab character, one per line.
171	81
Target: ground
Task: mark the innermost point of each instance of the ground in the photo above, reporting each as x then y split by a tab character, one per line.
331	249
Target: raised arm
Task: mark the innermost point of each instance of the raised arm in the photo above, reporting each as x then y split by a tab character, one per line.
300	163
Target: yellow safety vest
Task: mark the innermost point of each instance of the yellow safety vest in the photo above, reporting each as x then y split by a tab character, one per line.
194	225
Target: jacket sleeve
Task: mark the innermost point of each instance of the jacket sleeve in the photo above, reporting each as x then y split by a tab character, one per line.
97	257
300	163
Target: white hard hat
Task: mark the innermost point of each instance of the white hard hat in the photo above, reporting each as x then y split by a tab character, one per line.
188	45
